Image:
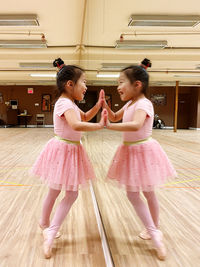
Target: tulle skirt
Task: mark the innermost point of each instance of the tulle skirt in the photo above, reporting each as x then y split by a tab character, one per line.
140	166
63	166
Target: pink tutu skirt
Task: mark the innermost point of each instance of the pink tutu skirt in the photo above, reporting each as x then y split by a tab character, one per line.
63	166
140	166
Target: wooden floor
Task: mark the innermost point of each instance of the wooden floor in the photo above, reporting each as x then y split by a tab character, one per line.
21	198
180	212
20	208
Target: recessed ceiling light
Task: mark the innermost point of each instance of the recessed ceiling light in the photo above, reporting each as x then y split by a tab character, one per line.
23	44
18	20
136	44
107	75
44	75
164	20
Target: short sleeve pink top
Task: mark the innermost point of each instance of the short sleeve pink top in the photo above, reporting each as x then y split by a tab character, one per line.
61	127
146	129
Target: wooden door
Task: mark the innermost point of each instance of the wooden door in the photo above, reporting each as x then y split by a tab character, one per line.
184	103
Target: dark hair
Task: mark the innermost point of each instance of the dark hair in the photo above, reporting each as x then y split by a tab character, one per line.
66	73
139	73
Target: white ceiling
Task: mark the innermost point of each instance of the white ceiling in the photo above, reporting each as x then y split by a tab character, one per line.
62	24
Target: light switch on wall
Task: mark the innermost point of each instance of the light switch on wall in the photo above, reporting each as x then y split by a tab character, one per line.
36	104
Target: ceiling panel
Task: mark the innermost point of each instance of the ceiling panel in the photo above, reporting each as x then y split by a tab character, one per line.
105	21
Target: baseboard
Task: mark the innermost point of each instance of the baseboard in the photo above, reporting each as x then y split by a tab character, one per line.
169	127
35	126
193	128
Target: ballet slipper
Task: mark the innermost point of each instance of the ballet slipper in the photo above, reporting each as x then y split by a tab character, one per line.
145	235
47	246
161	252
43	227
161	249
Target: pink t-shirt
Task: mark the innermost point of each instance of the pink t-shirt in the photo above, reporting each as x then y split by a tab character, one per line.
61	127
146	130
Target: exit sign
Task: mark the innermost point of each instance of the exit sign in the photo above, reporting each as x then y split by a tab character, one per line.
30	90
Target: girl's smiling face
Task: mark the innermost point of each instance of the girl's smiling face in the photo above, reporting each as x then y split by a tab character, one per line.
128	90
76	91
80	88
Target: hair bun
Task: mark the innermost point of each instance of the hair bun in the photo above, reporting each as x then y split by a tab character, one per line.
58	63
146	63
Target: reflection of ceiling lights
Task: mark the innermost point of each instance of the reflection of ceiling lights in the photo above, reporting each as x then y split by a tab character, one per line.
164	20
23	44
18	20
45	75
135	44
107	75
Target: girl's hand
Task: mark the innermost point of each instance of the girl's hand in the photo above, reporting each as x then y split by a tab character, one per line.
101	99
104	118
104	104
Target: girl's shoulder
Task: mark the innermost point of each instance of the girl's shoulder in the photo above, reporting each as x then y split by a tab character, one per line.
126	105
145	101
146	105
63	101
62	105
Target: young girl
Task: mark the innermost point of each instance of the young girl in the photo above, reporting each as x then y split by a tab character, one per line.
140	163
63	163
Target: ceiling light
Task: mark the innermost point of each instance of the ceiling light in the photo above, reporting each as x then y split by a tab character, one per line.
115	66
136	44
107	75
187	76
53	75
23	44
36	65
164	20
102	82
18	20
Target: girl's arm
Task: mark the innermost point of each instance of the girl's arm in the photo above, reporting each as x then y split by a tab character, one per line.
87	116
75	124
138	121
113	116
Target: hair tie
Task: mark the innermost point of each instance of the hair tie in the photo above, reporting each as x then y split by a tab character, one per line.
58	63
146	63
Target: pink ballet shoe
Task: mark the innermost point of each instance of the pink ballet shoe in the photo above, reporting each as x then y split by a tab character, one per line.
161	249
145	235
161	252
47	246
58	235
